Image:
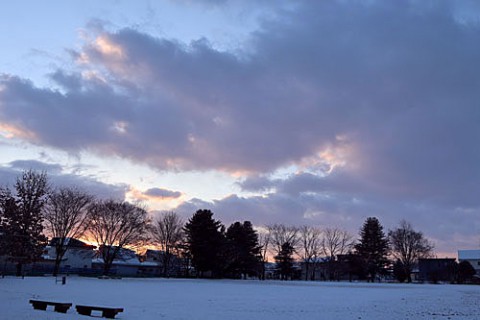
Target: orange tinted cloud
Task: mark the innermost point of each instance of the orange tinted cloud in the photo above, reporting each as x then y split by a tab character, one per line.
10	131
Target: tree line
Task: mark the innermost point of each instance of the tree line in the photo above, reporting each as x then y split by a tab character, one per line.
34	209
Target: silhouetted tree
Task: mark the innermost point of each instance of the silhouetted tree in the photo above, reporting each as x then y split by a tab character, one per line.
465	271
284	261
335	241
355	266
373	247
281	234
206	243
167	232
399	271
264	242
408	246
243	249
115	225
311	247
66	217
22	230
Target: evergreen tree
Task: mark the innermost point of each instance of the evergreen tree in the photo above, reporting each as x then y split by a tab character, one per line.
243	250
465	271
284	261
22	237
373	247
206	243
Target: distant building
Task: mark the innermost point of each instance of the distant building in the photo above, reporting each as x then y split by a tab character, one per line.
126	264
317	269
436	270
472	256
77	259
177	267
78	254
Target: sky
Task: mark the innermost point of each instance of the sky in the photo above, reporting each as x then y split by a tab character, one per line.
317	113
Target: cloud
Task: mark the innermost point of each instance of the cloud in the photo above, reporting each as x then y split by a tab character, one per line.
162	193
35	165
375	103
58	178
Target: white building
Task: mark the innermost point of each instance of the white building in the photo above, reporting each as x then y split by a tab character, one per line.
472	256
78	255
127	264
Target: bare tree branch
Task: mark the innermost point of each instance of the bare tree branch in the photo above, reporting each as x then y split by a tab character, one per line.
66	217
116	225
311	248
167	233
408	246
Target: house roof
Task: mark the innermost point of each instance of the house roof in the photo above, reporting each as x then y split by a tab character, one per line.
468	254
71	243
129	262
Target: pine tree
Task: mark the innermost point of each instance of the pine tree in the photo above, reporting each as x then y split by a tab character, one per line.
22	230
465	271
284	261
373	247
243	250
206	243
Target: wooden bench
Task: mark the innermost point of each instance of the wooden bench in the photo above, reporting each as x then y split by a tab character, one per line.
106	311
42	305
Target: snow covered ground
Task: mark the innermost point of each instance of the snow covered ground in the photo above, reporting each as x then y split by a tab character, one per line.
224	299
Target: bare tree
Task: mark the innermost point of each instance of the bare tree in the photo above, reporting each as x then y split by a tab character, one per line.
281	234
115	225
167	233
335	241
66	217
264	242
311	248
408	246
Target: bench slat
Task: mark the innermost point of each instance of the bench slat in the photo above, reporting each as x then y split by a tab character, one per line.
107	312
58	306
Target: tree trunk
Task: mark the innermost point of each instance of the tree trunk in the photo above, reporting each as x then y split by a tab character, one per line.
56	267
59	253
19	269
166	263
107	265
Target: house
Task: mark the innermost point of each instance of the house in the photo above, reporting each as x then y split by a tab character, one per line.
472	256
76	259
127	263
437	270
177	266
315	270
78	254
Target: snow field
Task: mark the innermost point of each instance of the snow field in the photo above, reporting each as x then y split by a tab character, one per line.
176	299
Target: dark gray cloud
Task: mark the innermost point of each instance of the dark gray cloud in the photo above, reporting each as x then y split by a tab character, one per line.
57	178
392	85
162	193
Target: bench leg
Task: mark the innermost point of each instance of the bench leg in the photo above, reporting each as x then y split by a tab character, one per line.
39	306
61	309
85	312
110	314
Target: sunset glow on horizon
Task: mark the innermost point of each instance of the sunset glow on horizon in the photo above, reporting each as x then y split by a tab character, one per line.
306	112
